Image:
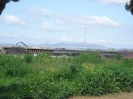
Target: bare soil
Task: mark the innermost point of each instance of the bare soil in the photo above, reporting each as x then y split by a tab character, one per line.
125	95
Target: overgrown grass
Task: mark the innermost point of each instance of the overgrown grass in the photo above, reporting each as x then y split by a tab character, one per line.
45	77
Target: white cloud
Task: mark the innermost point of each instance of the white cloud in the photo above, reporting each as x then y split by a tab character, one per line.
47	26
101	41
84	20
80	40
34	37
102	21
15	35
5	35
58	21
110	1
64	39
114	1
9	35
39	11
13	20
121	42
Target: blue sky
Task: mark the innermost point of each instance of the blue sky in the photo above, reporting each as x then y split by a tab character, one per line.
107	22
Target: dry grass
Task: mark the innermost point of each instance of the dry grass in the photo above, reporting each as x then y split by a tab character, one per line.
124	95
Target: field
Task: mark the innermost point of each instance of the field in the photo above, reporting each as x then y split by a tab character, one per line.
46	77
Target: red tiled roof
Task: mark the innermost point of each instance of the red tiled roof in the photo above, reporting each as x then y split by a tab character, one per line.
129	56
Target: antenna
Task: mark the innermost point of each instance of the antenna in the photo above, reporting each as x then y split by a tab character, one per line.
85	38
49	43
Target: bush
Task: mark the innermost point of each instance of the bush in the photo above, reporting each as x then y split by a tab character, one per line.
99	81
4	59
118	56
59	78
92	57
15	67
42	58
28	58
127	62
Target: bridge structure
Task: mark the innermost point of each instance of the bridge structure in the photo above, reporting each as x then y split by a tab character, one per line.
54	52
57	51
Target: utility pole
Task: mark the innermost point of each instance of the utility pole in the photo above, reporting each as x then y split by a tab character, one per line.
85	38
48	43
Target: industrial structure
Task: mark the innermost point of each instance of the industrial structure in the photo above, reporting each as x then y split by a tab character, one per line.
55	52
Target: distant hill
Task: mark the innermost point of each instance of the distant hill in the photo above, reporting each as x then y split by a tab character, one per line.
66	45
74	45
6	44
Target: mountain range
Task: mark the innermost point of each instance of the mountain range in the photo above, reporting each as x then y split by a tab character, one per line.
66	45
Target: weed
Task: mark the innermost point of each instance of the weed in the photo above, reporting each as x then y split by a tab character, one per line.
45	77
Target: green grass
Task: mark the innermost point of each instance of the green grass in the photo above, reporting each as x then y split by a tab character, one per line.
45	77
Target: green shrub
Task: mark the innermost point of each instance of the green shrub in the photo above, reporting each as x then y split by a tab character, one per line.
28	58
4	59
92	57
15	67
127	62
42	58
99	81
60	77
118	56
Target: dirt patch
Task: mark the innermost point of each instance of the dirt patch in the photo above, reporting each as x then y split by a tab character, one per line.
124	95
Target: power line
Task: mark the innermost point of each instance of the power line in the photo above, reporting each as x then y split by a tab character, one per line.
85	38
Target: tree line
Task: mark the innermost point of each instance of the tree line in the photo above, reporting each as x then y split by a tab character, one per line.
3	4
128	5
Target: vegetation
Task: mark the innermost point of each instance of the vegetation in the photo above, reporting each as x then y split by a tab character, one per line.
129	6
46	77
3	4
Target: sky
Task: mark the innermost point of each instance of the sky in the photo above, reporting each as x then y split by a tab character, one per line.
102	22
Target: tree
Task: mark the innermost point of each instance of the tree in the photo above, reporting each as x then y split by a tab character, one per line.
129	6
3	4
